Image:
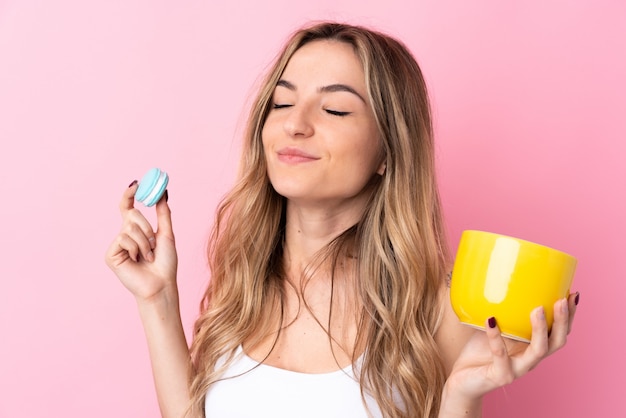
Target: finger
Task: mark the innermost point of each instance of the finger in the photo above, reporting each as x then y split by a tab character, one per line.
539	343
134	217
128	198
127	208
164	217
136	233
124	243
560	325
114	255
501	360
572	304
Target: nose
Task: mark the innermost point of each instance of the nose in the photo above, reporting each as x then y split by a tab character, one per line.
298	123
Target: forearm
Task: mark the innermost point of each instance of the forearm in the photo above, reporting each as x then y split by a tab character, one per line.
455	406
169	353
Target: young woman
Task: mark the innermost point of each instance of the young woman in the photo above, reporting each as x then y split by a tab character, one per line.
328	294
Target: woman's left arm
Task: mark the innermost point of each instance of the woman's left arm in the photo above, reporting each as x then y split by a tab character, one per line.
478	362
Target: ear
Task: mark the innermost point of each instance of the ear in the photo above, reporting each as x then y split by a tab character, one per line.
381	168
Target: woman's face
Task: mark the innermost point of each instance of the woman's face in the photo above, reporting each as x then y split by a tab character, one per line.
320	138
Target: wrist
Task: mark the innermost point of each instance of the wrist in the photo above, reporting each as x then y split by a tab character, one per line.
455	405
163	303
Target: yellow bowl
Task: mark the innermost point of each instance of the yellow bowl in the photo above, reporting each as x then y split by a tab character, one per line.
505	277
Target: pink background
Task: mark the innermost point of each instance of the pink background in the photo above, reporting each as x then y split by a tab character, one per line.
529	99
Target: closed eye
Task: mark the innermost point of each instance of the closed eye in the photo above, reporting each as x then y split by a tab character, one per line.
337	112
280	105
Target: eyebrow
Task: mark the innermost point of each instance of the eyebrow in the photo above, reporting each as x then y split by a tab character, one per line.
332	88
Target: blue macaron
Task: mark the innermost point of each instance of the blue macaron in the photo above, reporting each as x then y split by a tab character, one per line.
151	187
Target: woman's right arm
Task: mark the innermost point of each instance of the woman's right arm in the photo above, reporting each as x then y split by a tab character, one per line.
146	263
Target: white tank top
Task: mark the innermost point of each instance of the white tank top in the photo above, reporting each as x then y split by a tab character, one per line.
263	391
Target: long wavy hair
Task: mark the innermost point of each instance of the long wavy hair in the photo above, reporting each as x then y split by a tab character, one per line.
398	244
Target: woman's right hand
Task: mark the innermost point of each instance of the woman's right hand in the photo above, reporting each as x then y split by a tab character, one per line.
145	261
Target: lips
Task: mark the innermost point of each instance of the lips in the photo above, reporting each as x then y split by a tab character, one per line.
293	155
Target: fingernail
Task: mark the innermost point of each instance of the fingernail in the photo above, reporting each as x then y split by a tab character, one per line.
150	256
152	241
132	184
577	298
492	322
167	196
541	313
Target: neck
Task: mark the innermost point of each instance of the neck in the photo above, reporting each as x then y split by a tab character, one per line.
307	231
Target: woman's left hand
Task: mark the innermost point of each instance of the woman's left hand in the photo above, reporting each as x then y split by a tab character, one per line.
489	361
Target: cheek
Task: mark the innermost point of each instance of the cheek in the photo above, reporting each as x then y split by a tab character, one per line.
357	168
265	141
268	132
267	145
263	134
371	155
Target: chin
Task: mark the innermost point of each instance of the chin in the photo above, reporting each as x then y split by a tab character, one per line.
293	187
291	194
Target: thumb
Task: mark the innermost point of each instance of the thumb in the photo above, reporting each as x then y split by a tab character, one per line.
164	217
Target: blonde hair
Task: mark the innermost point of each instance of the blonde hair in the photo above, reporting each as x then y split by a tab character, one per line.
399	243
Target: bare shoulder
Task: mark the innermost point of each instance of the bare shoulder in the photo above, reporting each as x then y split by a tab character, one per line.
451	336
